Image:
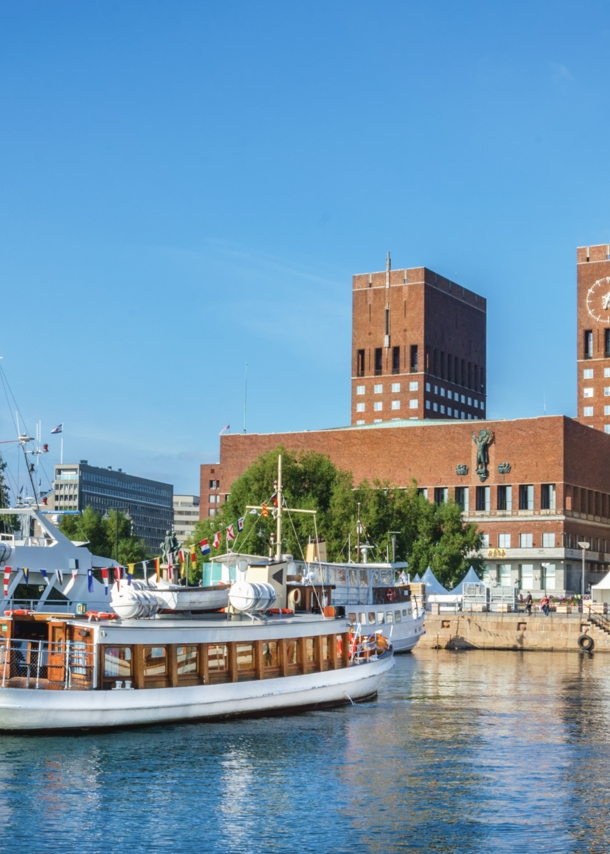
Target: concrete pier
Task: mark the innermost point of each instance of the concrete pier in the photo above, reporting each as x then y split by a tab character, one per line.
514	631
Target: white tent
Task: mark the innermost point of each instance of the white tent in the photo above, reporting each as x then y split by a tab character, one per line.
470	577
417	579
601	592
433	586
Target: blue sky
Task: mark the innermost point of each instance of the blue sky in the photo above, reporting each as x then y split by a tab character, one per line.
189	186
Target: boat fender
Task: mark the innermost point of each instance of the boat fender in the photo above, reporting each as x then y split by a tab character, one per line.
294	597
586	643
280	611
100	615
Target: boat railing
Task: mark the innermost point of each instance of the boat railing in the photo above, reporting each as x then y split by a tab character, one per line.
67	606
364	648
37	664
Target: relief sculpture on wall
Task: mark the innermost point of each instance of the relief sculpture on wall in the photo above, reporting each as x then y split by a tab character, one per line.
483	441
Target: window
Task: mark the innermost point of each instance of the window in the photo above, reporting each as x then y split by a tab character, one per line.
588	344
378	405
155	661
503	541
212	511
413	403
360	421
117	662
435	406
441	495
547	496
607	372
413	386
271	656
449	411
483	498
449	394
484	541
504	575
525	541
587	392
607	391
378	388
463	399
461	497
395	388
435	389
389	617
360	363
606	428
442	408
606	342
380	617
360	389
526	576
548	578
427	386
360	407
395	360
606	410
505	498
588	412
526	497
423	492
214	484
427	404
587	374
481	405
378	361
245	656
218	658
187	660
414	360
442	391
548	541
395	404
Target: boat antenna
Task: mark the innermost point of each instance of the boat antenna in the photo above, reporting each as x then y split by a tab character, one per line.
280	498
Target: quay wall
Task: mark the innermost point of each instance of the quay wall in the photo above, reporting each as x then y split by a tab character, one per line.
557	632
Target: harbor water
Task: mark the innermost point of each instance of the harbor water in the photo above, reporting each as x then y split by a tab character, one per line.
462	752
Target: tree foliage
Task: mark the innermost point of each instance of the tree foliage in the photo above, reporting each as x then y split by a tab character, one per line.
101	535
426	534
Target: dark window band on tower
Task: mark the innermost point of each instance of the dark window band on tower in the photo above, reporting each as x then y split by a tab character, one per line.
588	344
378	361
414	359
607	343
360	363
395	360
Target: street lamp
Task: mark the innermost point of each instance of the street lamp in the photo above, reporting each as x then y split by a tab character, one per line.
584	546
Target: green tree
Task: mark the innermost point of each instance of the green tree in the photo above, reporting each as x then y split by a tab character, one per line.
425	534
101	535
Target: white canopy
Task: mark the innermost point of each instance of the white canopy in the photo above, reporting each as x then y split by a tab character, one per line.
432	583
604	584
601	592
417	579
470	577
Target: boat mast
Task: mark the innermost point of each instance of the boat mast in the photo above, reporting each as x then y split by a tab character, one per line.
278	530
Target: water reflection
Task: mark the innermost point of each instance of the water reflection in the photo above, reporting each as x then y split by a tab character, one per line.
468	752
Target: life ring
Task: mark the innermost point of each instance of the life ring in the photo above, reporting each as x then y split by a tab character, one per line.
280	611
390	595
295	596
100	615
20	612
586	643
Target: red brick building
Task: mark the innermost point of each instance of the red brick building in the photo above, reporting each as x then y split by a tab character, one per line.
418	347
535	487
593	336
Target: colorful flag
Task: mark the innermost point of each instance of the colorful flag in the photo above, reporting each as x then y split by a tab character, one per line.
181	555
193	556
7	577
118	572
158	567
145	568
226	427
26	574
90	580
71	582
230	533
105	580
217	537
264	510
274	499
44	574
130	569
60	575
240	523
58	429
170	566
204	545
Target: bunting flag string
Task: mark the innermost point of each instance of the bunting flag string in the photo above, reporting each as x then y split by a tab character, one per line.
217	539
230	533
71	582
90	580
60	575
26	574
130	569
145	569
45	575
117	576
170	567
158	567
193	556
204	545
105	580
7	578
240	523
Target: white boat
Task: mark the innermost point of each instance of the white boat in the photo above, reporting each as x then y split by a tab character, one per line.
63	672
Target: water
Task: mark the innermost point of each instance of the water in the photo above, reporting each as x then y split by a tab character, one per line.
462	752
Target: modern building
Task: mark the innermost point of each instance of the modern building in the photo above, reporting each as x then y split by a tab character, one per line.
535	487
593	324
149	502
186	515
418	347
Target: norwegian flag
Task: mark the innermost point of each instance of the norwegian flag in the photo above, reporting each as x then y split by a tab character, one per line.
204	545
217	538
230	533
7	578
105	580
240	524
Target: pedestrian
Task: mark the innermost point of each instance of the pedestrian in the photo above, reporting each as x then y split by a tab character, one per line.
528	603
544	605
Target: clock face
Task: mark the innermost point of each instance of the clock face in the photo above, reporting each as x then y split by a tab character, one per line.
598	300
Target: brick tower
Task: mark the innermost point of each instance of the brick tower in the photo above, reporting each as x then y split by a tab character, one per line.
418	347
593	341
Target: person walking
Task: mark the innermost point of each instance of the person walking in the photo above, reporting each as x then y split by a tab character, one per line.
528	604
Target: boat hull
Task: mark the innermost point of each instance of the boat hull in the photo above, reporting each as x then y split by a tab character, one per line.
23	709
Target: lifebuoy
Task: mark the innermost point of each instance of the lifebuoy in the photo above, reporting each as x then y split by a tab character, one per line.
586	643
390	595
19	612
101	615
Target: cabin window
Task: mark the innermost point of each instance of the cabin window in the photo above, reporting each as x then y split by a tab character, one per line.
187	660
271	655
245	656
117	662
155	661
362	618
325	648
364	578
389	617
380	617
352	617
404	612
397	617
353	577
218	659
310	651
291	652
372	618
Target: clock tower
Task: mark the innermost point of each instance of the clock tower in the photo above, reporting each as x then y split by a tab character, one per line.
593	341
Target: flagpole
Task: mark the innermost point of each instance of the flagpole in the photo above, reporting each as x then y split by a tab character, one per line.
245	396
61	447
